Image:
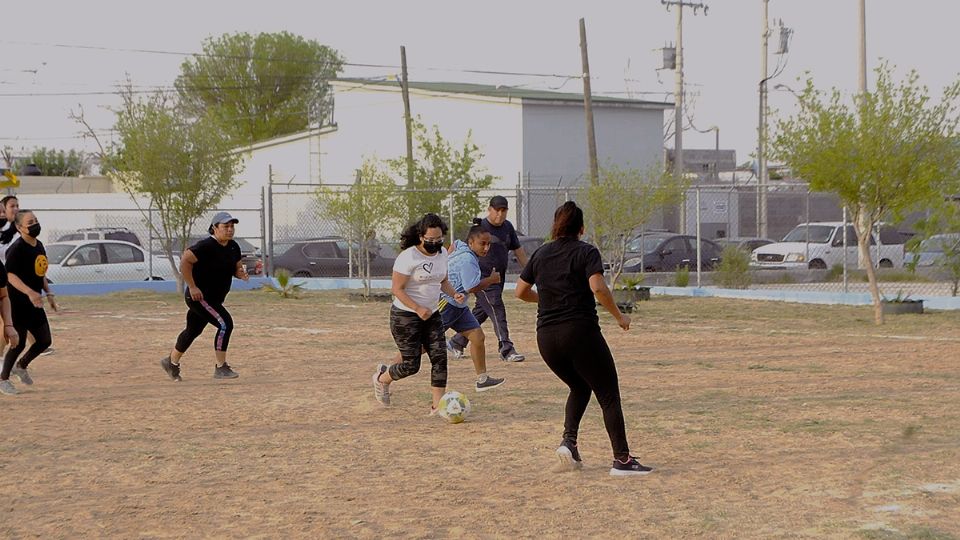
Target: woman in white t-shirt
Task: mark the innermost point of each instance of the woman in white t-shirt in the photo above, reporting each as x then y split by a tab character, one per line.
9	206
419	274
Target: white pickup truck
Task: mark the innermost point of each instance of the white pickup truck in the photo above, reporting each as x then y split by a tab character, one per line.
820	246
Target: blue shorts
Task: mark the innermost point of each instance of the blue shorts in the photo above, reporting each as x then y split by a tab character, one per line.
460	319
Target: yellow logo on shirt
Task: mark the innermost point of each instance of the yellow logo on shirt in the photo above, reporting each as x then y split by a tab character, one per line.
40	265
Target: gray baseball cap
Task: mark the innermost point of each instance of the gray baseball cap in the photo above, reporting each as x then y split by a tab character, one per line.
223	217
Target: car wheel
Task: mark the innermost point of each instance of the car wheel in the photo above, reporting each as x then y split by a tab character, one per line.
302	273
817	264
886	263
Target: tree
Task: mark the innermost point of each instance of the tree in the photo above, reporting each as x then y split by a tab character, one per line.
884	153
621	202
183	166
54	162
443	174
371	204
942	218
260	86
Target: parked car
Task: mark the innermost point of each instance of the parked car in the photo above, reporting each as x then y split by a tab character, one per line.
327	257
529	245
102	233
931	251
252	256
85	261
744	244
820	246
666	252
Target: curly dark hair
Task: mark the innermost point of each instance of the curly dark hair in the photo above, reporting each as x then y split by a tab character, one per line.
411	235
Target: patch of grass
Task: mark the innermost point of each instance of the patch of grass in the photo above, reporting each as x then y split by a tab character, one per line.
814	425
762	367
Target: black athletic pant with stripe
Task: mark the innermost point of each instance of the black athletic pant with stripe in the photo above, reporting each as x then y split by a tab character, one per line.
200	314
27	318
577	353
413	335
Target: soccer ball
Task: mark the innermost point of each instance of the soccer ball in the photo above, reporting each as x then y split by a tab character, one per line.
454	406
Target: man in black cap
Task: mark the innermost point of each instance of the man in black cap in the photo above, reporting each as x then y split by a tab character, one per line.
208	268
503	239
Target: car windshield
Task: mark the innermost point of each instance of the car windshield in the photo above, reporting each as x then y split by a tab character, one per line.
644	244
819	234
57	252
938	243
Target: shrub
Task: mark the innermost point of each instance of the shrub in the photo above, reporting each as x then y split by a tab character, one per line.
682	277
733	272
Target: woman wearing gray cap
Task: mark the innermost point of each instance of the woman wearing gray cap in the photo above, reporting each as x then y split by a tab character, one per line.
208	268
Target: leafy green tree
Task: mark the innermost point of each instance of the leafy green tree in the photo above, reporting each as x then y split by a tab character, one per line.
54	162
371	205
260	86
622	201
443	173
183	166
942	218
884	154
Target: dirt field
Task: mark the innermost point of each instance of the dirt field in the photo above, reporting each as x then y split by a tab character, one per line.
761	419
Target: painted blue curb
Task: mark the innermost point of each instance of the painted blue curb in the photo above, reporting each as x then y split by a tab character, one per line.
800	297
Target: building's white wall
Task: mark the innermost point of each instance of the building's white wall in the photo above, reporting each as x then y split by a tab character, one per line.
370	124
291	162
555	140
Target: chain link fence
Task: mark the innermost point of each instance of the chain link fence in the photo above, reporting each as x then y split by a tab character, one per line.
792	239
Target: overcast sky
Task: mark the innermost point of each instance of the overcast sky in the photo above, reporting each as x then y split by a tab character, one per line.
722	50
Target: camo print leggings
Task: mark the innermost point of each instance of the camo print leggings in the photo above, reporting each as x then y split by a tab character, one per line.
412	335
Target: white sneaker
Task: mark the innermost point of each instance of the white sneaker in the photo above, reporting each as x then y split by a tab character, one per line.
6	387
514	357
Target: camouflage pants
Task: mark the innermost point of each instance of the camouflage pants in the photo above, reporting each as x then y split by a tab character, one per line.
413	335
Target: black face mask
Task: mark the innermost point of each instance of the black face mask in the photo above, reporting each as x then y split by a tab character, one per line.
432	247
34	230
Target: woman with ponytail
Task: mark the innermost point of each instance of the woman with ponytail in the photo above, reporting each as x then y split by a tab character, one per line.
568	274
9	206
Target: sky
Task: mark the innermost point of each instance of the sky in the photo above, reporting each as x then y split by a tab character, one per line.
40	50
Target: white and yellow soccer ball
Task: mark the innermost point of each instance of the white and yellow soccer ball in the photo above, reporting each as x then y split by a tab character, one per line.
454	406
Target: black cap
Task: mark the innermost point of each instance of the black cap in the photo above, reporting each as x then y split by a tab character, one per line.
498	202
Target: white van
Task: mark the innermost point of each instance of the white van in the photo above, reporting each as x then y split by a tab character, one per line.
820	246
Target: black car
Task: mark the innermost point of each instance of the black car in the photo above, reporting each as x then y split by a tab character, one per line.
529	245
666	252
327	257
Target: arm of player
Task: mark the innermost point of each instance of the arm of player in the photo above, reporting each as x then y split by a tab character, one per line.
521	256
525	292
397	287
599	287
9	333
241	272
18	284
186	270
448	289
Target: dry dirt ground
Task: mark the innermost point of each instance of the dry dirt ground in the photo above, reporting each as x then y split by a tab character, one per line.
761	419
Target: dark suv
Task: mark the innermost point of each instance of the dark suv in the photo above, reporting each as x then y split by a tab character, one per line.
327	257
666	252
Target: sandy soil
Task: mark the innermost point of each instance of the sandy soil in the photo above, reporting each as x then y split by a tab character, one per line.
761	419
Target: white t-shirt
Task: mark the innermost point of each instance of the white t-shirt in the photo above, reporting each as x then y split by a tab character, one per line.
426	273
3	247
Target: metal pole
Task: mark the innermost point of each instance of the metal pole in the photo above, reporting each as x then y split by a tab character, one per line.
845	249
150	239
762	127
678	118
452	228
806	251
698	238
716	154
863	46
588	106
263	225
271	227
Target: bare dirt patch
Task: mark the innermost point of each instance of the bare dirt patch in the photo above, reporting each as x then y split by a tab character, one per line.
761	419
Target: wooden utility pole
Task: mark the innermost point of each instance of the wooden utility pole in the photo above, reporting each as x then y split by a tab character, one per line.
588	106
408	120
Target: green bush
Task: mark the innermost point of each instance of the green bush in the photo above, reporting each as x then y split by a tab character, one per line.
682	277
733	272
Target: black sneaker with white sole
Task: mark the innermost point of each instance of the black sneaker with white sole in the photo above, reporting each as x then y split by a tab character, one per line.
631	467
224	372
569	456
173	370
489	384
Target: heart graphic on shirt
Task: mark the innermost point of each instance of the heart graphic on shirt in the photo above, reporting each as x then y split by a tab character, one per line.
428	267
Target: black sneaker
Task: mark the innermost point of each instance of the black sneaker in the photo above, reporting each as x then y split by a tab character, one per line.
569	456
224	372
631	467
489	384
173	370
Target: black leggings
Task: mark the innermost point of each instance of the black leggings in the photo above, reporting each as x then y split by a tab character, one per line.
27	318
199	316
577	353
413	335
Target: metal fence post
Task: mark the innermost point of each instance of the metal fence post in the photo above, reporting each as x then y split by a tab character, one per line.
698	238
845	249
270	226
453	231
150	239
263	225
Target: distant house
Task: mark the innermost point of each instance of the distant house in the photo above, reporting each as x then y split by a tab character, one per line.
528	137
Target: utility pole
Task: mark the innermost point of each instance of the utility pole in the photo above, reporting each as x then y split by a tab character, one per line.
588	106
405	92
863	46
678	99
762	177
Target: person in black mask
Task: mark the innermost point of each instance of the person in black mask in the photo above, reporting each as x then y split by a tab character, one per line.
26	271
9	206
